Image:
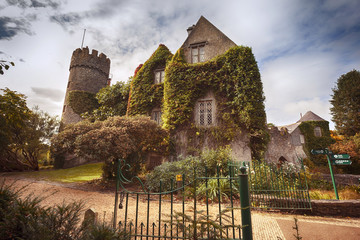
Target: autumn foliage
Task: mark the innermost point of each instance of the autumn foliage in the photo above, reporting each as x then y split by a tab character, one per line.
351	146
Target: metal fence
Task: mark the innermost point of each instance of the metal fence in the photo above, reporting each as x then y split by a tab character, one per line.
277	186
204	207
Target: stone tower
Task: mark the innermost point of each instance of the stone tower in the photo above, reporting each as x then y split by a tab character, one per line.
88	73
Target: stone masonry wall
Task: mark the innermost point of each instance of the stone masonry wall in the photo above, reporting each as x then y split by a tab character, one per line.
281	145
88	72
217	42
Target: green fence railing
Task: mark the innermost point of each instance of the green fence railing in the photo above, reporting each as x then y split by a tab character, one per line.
276	187
204	207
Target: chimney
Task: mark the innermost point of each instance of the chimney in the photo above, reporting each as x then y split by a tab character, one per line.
190	29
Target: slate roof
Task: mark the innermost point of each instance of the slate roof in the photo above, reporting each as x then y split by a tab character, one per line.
310	116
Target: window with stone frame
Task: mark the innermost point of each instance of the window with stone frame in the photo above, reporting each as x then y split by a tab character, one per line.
159	76
156	116
198	53
205	112
317	132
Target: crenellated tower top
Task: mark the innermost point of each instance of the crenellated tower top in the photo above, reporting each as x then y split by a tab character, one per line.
83	58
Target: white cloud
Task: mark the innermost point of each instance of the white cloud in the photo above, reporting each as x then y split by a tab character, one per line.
302	46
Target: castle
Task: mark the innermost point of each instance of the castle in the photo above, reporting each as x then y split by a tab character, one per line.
208	95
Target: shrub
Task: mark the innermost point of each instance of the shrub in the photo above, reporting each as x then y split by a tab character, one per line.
130	138
214	186
208	161
25	218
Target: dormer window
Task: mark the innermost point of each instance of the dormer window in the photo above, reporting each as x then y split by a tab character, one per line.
159	76
198	53
317	132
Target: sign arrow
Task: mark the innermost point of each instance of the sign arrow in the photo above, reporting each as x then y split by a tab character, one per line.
341	162
340	156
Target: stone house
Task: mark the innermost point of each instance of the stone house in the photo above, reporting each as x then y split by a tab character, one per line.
291	142
195	93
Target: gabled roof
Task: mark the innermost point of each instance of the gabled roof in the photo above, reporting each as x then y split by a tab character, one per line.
201	23
310	116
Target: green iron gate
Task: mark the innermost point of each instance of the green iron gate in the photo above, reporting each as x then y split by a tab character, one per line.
277	187
188	210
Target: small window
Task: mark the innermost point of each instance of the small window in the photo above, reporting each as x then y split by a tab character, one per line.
159	76
198	54
68	84
64	108
156	116
302	139
205	113
317	132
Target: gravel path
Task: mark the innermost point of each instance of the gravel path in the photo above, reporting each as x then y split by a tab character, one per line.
265	225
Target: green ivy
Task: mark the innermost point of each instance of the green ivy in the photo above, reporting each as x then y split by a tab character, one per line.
82	101
144	94
234	78
313	142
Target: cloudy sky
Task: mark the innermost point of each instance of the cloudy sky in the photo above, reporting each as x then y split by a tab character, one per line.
302	46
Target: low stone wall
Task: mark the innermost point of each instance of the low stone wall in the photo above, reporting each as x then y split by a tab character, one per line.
334	208
343	208
343	179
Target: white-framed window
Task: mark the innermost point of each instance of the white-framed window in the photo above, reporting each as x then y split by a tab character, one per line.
206	112
156	116
198	53
317	132
159	76
302	139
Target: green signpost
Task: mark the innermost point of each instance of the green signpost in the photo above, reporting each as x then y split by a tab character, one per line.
333	159
341	162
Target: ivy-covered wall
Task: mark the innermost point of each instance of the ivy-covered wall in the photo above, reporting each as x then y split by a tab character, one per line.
313	142
234	78
144	94
82	101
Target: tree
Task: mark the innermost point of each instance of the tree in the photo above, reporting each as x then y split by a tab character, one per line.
351	146
5	65
129	138
23	132
346	104
113	101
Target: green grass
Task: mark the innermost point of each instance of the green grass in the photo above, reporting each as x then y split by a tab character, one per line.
70	175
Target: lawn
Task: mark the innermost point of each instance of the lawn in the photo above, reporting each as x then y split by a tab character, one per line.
70	175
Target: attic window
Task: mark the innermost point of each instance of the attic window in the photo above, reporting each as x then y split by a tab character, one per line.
317	132
198	53
159	76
